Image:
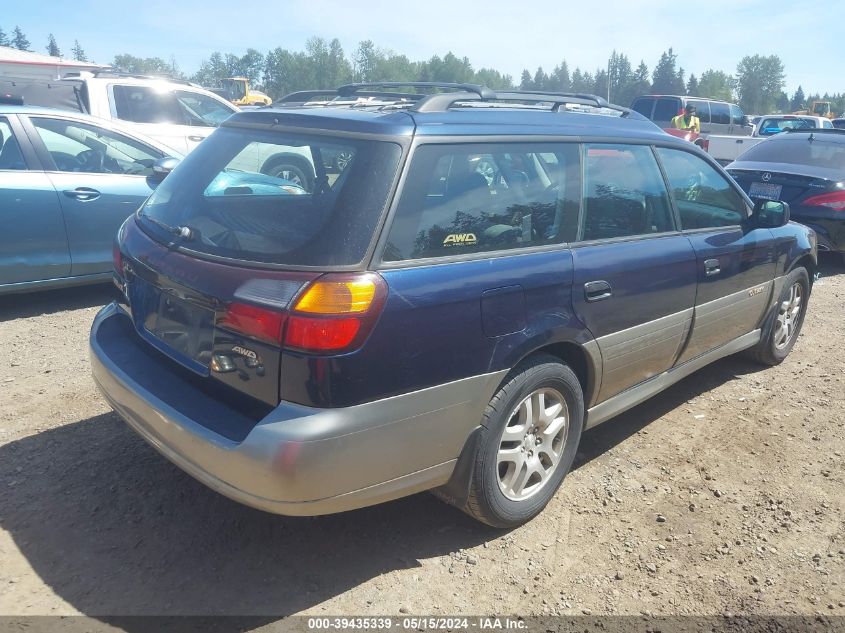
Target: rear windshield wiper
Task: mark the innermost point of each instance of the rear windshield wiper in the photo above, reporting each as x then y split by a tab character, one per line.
185	232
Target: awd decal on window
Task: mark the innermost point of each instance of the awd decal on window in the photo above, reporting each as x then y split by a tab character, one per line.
460	239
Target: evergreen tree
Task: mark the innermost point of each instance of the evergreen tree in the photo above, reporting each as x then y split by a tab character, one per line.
667	80
526	82
541	79
798	99
52	47
783	102
19	40
692	86
4	39
559	80
78	53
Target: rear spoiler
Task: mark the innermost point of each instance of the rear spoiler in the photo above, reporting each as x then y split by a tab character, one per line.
64	94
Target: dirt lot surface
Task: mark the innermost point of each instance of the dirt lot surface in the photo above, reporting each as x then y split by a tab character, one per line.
723	494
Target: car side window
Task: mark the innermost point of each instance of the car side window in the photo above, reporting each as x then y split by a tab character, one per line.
201	110
624	193
720	113
461	199
80	147
737	116
11	157
705	198
667	108
143	104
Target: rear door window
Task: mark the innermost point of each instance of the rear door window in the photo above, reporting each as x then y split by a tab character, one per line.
704	196
464	199
737	116
624	193
702	109
720	113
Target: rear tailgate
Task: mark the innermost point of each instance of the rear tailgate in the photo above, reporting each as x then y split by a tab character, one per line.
178	304
774	185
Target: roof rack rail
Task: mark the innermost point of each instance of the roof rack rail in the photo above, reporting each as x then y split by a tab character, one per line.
457	93
560	99
481	91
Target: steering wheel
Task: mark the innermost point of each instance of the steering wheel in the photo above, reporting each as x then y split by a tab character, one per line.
91	160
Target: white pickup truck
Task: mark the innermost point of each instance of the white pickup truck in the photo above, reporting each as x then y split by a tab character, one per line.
726	149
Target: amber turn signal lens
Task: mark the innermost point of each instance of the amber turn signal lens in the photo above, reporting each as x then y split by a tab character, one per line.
338	297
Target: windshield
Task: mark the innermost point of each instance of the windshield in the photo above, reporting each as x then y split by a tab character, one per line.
276	198
798	151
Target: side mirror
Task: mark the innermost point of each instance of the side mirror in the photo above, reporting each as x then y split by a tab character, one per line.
164	166
770	214
746	121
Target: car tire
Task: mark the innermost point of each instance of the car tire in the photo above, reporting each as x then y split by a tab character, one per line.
525	450
785	324
290	170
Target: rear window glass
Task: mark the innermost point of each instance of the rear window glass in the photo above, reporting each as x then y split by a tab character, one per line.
798	151
478	198
276	198
769	126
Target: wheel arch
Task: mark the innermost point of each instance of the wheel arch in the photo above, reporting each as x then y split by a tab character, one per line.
583	359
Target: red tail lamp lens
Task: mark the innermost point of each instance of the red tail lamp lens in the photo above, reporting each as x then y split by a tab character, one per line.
253	321
321	335
834	200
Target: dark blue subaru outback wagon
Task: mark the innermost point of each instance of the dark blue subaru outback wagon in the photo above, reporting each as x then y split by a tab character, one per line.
461	284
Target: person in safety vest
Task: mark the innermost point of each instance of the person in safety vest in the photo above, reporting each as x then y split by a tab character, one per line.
687	121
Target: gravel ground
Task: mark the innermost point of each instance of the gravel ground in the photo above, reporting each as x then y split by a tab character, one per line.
722	495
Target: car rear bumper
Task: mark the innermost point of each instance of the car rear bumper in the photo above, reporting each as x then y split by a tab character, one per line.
296	460
830	231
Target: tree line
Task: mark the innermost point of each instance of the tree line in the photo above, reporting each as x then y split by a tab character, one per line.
757	84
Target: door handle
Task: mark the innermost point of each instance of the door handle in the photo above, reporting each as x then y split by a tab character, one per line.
712	267
196	139
597	290
82	193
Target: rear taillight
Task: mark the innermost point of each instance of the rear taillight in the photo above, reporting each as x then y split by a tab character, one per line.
834	200
253	321
335	313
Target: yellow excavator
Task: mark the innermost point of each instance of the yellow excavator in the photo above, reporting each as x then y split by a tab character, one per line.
818	108
238	91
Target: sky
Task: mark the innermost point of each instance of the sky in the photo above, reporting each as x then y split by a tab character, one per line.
503	34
